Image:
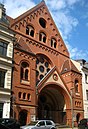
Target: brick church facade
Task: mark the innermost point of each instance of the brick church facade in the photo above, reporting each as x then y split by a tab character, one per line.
43	73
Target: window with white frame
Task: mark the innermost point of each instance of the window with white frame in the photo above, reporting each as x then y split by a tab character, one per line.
87	109
30	30
87	94
76	86
3	48
53	43
2	78
86	78
42	37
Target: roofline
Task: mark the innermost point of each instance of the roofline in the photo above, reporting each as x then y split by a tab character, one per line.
71	71
42	3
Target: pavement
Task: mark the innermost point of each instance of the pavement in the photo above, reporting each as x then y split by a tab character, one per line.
67	128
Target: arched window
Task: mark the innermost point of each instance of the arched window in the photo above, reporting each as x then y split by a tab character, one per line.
28	96
24	95
24	70
19	95
76	86
42	37
26	74
53	43
30	30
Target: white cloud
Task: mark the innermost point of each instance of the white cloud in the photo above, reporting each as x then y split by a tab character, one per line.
75	53
15	8
60	10
61	14
72	2
65	22
56	4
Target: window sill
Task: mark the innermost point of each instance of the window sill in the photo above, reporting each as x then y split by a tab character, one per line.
78	94
24	100
25	82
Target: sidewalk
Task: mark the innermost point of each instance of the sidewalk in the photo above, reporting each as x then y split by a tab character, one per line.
67	128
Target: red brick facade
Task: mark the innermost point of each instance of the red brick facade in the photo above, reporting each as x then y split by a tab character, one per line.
43	73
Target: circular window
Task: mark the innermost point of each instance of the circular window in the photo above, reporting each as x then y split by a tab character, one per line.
42	22
37	61
48	69
41	76
41	68
37	73
46	64
55	77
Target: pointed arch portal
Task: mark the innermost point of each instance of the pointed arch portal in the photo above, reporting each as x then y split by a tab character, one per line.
51	104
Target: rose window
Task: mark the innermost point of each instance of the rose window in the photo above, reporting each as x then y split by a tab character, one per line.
42	68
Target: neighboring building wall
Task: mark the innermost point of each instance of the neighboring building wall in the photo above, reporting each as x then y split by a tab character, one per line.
85	91
6	55
84	71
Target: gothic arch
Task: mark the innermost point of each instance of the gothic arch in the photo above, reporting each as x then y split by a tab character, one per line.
53	100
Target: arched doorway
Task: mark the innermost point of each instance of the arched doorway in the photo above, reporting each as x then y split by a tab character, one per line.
23	117
78	117
51	104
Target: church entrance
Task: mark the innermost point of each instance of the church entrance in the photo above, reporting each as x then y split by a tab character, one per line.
51	104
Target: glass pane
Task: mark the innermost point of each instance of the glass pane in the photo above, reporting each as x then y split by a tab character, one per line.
2	78
3	48
1	110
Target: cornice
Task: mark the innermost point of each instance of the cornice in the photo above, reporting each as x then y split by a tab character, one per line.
5	89
7	33
21	53
6	62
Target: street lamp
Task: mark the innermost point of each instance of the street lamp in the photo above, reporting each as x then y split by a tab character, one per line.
72	107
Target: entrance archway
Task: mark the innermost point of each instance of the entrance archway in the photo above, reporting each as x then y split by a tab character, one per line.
51	104
23	117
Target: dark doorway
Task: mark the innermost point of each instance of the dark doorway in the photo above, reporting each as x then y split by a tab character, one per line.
23	117
51	105
77	117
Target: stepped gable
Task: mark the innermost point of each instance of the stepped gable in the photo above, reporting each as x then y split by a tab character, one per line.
69	66
32	15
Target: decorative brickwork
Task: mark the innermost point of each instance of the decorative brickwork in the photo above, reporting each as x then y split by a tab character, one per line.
47	94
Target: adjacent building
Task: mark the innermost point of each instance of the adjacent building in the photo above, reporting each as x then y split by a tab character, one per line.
6	56
84	71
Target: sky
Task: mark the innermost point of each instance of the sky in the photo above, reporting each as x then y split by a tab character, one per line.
70	17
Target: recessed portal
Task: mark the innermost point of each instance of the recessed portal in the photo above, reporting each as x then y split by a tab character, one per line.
51	105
